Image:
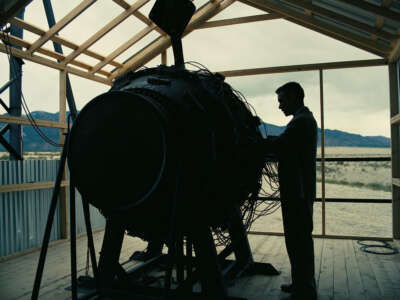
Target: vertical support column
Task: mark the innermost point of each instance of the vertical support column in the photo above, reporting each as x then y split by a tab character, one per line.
321	98
394	70
57	47
16	94
164	60
64	189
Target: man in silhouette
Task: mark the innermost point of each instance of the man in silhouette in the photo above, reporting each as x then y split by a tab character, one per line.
296	149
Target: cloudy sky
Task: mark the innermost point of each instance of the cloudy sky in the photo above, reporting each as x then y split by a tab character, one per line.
356	100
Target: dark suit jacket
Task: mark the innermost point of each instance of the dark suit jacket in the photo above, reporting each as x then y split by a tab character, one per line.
296	151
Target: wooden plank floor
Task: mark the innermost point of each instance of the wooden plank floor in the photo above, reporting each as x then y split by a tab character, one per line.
342	270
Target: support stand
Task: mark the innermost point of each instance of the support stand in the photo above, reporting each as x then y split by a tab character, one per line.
49	224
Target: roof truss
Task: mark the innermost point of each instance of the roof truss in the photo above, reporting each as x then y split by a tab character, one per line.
322	16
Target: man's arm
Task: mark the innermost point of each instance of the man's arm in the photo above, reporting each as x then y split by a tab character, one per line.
287	141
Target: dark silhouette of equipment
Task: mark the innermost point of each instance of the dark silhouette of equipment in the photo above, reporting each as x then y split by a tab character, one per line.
167	155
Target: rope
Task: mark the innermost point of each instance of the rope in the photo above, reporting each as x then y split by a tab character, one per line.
388	249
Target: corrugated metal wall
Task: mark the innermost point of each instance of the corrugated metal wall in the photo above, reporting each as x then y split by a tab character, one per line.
23	215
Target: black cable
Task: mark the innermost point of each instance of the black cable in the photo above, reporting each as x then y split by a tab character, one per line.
23	102
366	246
252	208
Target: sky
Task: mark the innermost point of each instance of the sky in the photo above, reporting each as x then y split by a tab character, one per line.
355	100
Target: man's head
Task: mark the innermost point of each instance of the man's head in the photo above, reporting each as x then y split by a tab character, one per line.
290	97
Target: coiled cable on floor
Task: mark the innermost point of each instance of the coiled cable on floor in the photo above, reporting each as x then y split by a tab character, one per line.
368	246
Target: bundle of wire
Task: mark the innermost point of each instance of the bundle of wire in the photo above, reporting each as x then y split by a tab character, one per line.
265	199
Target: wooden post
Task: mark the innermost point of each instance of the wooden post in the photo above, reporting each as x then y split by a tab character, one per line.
321	98
63	190
164	60
394	132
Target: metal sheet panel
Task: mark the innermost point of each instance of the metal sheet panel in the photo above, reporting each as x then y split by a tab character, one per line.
96	218
23	215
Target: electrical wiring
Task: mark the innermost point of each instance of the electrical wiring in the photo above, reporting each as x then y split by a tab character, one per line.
253	207
23	102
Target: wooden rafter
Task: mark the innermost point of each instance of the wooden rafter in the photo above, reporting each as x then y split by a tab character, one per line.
395	54
380	21
241	20
56	38
141	34
306	67
319	26
162	43
61	24
140	16
99	34
374	9
386	3
20	42
25	121
53	64
342	19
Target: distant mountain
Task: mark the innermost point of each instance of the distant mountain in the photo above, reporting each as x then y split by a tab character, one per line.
335	138
34	143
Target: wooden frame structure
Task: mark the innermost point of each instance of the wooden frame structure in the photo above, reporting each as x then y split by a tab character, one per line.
373	28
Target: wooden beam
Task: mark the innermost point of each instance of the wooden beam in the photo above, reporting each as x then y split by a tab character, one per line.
164	58
43	185
386	3
99	34
380	21
161	44
394	91
19	42
241	20
396	182
321	99
140	16
395	54
36	30
63	196
317	10
306	67
52	64
374	9
137	37
395	119
324	28
329	236
61	24
25	121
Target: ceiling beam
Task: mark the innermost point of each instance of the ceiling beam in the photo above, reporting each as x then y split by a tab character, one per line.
137	37
99	34
343	20
241	20
324	28
36	30
52	64
22	43
203	14
306	67
140	16
386	3
395	54
374	9
61	24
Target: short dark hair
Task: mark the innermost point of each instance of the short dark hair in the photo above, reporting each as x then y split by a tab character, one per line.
294	89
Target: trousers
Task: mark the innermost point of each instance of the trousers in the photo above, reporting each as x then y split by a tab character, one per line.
297	215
